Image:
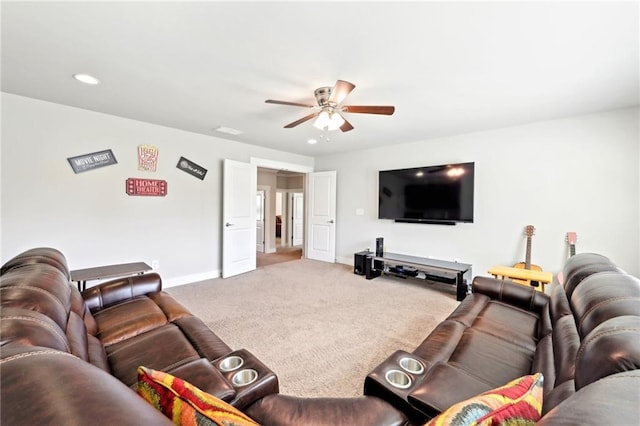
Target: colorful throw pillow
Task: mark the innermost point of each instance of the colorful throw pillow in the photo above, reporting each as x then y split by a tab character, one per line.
184	403
519	402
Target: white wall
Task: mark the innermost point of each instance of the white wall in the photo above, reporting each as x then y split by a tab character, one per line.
577	174
88	216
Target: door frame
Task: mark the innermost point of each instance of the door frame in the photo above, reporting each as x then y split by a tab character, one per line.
291	214
267	227
289	167
264	225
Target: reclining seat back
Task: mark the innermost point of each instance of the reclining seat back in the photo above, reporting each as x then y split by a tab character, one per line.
556	354
135	317
35	290
557	351
606	306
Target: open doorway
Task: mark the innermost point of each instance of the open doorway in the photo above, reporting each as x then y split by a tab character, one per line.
283	220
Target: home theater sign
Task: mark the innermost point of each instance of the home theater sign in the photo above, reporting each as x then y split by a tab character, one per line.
147	187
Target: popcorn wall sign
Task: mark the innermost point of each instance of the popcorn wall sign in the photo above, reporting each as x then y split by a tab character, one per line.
147	187
147	158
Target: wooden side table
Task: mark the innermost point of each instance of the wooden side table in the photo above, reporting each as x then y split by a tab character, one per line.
81	276
502	272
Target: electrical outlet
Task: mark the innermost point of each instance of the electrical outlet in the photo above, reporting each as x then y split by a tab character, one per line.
155	264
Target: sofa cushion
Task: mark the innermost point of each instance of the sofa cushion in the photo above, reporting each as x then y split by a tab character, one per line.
162	348
128	319
509	323
519	401
184	403
490	358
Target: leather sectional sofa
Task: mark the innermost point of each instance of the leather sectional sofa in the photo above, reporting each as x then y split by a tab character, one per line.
70	358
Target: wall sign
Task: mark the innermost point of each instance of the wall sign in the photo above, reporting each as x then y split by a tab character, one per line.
82	163
147	158
148	187
191	168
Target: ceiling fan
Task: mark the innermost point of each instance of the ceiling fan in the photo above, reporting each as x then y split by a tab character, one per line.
329	109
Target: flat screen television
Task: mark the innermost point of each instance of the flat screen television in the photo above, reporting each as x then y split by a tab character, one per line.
433	194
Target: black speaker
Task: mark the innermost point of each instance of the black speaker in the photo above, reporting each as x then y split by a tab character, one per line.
379	247
360	260
373	268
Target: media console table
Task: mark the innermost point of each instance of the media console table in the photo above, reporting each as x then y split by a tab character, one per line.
81	276
425	268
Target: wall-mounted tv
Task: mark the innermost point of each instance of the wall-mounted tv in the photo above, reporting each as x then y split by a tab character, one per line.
434	194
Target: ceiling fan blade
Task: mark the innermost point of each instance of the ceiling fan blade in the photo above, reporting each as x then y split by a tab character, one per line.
346	126
302	120
369	109
271	101
340	91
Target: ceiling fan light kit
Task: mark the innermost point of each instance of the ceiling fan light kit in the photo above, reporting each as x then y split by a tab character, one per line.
328	115
329	120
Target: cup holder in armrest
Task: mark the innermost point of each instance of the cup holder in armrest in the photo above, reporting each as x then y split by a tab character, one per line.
398	379
244	377
250	378
230	363
395	378
411	365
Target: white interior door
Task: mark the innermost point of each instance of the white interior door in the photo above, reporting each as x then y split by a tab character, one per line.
239	187
321	229
260	221
297	201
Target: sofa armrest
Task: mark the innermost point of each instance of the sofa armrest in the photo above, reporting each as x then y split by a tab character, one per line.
43	386
121	289
521	296
611	400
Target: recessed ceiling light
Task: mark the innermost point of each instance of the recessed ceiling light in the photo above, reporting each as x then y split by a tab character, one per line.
86	78
228	130
312	141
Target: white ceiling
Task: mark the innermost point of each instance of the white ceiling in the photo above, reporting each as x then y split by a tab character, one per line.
449	68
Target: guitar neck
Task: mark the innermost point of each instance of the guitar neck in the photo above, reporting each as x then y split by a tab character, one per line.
527	260
572	249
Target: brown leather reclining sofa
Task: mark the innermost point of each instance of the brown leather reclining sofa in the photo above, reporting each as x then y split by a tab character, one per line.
70	358
584	337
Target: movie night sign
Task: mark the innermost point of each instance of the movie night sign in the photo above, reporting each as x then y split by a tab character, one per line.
147	187
95	160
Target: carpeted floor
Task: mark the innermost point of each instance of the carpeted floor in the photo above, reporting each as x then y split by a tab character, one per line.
318	326
283	254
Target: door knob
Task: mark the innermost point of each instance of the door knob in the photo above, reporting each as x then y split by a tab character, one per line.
228	224
330	221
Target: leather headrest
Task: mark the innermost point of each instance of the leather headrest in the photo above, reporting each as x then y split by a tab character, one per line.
582	265
602	296
46	255
612	347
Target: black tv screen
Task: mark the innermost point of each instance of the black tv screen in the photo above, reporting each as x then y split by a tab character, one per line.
432	194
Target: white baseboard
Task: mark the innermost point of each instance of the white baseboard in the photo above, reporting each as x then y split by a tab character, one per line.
345	260
188	279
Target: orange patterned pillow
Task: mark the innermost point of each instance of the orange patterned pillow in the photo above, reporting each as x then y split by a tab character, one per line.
519	402
184	403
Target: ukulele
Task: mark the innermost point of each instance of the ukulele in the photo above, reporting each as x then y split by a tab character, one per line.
572	239
529	231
